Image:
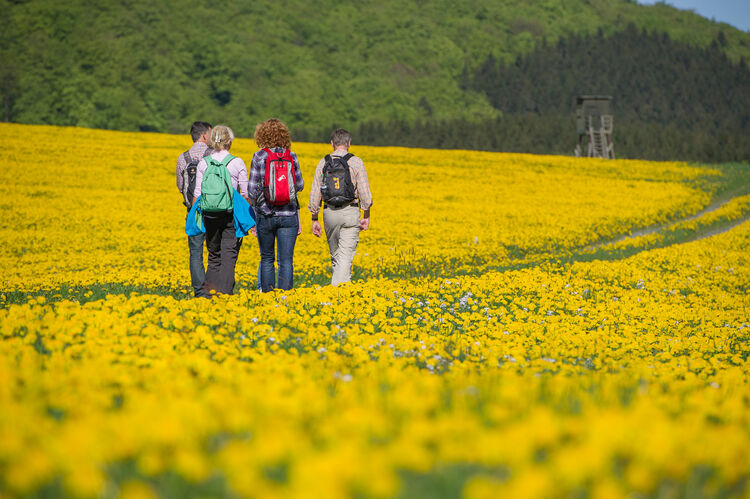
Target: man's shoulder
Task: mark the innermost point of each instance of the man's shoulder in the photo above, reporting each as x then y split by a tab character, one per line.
181	157
355	160
199	149
196	151
349	155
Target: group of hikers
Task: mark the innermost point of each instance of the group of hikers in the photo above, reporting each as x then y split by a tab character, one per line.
226	201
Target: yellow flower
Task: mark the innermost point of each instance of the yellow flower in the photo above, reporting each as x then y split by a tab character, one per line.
480	339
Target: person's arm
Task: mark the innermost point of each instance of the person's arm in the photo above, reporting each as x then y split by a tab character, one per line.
180	167
202	165
242	179
315	199
317	229
255	176
299	182
362	185
364	222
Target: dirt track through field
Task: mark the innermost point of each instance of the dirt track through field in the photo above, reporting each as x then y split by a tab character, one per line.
718	203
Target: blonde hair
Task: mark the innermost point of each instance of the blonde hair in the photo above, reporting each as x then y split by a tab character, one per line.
221	138
272	133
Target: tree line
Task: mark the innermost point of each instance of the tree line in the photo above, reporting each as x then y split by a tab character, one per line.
671	100
407	72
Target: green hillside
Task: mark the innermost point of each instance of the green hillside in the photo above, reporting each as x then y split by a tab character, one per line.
670	101
145	65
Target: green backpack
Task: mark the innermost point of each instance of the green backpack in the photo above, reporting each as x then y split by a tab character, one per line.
216	187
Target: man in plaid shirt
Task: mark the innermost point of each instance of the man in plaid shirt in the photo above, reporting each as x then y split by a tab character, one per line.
342	223
200	132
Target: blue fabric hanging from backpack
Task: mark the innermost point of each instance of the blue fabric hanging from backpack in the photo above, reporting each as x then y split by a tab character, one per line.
194	223
244	217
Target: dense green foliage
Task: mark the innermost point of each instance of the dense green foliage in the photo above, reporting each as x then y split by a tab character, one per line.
143	65
671	100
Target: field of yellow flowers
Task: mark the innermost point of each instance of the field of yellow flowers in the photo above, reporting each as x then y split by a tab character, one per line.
501	339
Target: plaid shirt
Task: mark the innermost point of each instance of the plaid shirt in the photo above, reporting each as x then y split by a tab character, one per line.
196	153
359	179
257	178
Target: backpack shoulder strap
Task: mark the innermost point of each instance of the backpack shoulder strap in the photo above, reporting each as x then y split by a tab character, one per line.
345	158
207	152
273	155
227	160
187	158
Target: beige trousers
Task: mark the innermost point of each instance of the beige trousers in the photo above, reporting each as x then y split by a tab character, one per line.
342	232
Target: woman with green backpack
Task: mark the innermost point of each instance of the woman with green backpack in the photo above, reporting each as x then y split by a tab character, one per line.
217	177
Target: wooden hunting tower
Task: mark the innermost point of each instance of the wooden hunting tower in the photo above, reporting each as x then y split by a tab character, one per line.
594	122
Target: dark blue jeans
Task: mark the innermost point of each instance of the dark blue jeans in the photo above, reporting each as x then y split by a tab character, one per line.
283	232
197	272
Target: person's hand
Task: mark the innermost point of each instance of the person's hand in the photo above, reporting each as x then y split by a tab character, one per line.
364	224
317	230
254	231
299	224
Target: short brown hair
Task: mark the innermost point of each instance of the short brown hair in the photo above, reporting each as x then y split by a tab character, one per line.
272	133
340	137
199	128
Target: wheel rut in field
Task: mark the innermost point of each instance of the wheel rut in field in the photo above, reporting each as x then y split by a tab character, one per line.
708	231
606	251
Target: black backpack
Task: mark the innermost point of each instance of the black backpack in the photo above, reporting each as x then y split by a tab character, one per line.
337	187
188	177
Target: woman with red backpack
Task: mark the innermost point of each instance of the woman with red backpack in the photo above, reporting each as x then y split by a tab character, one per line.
275	179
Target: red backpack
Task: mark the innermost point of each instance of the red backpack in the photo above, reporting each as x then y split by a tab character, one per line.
279	180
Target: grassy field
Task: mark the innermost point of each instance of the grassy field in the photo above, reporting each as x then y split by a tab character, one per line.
519	326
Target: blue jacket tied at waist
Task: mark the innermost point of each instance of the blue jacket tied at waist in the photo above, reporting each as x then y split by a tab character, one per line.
244	217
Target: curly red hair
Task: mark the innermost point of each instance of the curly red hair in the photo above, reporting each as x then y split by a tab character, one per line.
272	133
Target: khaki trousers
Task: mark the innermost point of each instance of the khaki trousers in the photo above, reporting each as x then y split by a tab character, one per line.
342	232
